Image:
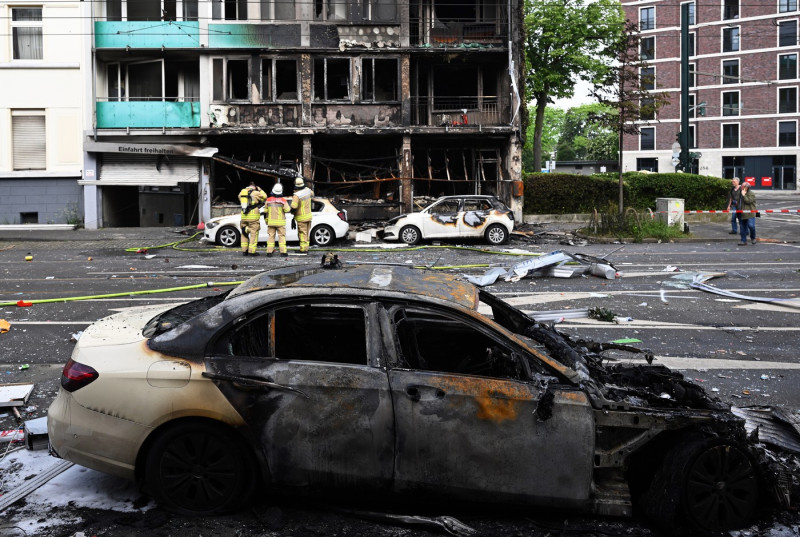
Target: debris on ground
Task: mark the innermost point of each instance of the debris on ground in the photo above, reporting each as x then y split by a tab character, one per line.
14	395
5	326
557	264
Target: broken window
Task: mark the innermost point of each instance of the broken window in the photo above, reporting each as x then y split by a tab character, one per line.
277	10
28	139
278	80
231	80
455	87
331	79
379	80
477	205
26	32
229	10
430	341
331	10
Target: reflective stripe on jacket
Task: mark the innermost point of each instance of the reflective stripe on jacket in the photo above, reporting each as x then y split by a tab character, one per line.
301	204
276	210
252	199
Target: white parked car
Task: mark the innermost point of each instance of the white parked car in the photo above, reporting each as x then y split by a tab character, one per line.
328	223
454	217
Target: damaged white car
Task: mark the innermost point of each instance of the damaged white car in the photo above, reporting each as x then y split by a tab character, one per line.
390	380
454	217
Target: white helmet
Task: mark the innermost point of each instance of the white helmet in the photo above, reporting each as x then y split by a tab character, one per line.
299	183
277	190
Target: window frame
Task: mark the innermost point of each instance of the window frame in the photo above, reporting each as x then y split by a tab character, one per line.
649	86
692	12
780	101
652	49
220	13
363	85
727	43
725	9
779	77
269	10
778	132
794	41
325	98
725	79
692	137
724	108
37	143
692	105
226	82
641	132
651	20
738	135
273	90
25	24
692	75
787	6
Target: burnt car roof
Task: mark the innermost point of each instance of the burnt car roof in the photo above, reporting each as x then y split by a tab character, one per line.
371	277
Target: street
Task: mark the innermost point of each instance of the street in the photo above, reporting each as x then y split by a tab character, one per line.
744	351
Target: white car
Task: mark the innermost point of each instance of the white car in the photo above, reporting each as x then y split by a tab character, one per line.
454	217
328	223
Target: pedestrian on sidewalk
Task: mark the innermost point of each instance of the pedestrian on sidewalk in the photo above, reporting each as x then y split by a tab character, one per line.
733	197
277	207
251	199
747	222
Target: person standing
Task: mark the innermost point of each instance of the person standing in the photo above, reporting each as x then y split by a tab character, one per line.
301	207
251	199
747	223
733	197
277	207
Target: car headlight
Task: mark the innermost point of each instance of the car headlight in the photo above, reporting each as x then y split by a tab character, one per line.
211	225
395	219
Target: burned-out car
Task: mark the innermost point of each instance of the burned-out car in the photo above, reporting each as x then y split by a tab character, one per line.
393	380
468	216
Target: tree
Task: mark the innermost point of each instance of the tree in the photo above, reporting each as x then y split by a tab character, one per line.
584	137
551	131
565	40
628	90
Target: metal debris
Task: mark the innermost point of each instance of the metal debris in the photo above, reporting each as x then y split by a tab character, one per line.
776	426
554	264
451	525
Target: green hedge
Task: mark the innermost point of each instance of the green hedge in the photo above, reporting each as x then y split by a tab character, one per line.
564	193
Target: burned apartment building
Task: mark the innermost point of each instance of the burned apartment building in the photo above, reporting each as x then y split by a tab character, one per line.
376	101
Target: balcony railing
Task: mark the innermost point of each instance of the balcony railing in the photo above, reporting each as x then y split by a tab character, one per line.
147	114
463	111
147	34
459	32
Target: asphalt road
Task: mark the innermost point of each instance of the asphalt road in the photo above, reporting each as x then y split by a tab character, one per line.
745	351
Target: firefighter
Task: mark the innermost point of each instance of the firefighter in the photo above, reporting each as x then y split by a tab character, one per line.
277	207
252	199
301	207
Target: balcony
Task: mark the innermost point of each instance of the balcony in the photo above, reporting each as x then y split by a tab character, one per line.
147	114
147	34
253	35
461	111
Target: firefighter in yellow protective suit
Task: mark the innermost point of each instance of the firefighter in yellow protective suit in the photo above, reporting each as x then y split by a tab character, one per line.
301	207
277	207
251	199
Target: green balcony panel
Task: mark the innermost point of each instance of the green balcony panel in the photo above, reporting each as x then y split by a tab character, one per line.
147	114
253	35
147	34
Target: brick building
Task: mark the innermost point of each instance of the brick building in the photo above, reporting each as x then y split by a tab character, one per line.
743	88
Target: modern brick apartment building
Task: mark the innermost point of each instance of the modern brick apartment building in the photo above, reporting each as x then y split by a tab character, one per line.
743	88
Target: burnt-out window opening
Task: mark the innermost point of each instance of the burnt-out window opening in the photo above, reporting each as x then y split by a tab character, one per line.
446	208
249	336
331	79
477	205
379	10
278	10
321	333
229	10
455	87
332	10
379	80
231	80
430	341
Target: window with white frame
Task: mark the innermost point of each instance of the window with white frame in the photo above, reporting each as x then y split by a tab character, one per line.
150	10
787	133
730	135
787	100
229	10
647	48
691	13
647	138
231	79
730	103
379	79
787	66
692	68
730	71
647	109
730	9
787	33
331	79
730	39
647	78
647	18
26	33
279	80
278	10
692	43
28	147
692	139
785	6
692	107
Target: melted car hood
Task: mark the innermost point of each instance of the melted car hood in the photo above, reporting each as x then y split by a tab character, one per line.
121	328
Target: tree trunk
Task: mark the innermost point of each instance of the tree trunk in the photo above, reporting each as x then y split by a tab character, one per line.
541	104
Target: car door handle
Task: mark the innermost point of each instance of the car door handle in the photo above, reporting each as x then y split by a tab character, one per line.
253	383
415	392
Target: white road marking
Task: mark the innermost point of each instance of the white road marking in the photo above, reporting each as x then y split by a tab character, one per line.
674	362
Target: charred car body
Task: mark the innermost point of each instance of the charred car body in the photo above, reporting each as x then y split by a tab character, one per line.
387	379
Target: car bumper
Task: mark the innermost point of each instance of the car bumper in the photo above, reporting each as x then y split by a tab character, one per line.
391	233
93	439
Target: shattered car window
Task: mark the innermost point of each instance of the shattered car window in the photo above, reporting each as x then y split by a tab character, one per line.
446	207
180	314
433	342
477	205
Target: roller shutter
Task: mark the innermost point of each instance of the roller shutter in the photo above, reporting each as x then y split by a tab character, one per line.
147	170
28	133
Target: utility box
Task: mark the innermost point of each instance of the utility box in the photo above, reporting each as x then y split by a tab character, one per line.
670	210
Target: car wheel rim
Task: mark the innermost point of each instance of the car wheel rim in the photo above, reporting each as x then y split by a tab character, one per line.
322	236
722	488
409	236
496	235
199	472
227	237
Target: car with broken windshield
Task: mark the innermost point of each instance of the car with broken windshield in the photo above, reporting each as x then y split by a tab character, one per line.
470	216
391	380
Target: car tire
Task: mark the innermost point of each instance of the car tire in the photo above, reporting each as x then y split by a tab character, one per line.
229	236
496	234
410	235
705	485
322	235
199	469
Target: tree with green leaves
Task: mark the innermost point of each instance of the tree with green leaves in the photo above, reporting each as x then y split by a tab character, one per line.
583	137
567	40
551	132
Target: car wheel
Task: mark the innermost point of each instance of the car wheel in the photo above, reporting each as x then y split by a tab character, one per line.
496	234
322	235
199	469
410	235
228	236
711	484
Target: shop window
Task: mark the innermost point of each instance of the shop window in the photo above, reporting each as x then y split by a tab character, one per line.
730	135
787	33
278	80
647	139
787	66
647	18
379	80
26	33
28	147
730	9
647	48
787	133
229	10
730	39
331	79
730	72
787	100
